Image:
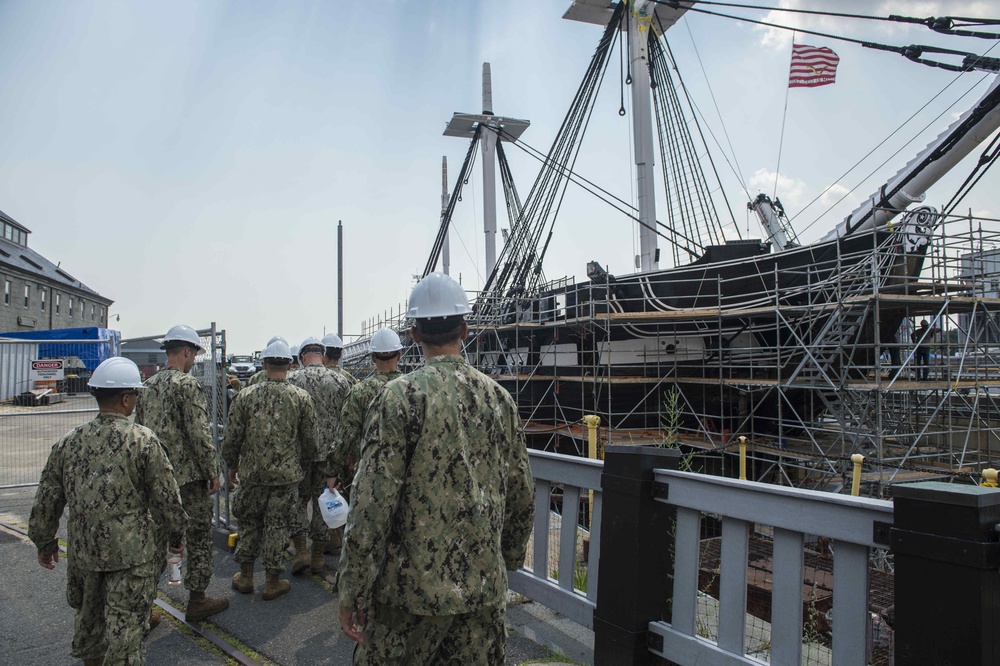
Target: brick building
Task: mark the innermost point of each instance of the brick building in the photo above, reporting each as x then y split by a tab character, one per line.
37	294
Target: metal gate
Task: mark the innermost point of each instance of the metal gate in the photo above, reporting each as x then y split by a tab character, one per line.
28	433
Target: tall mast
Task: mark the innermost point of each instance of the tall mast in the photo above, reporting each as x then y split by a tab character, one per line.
488	145
642	132
446	248
465	125
640	21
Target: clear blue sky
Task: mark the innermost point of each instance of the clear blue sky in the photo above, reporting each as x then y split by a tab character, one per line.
191	159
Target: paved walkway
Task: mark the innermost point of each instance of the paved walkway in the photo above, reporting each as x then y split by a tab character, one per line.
36	625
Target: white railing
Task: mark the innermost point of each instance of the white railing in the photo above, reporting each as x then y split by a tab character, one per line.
577	477
852	523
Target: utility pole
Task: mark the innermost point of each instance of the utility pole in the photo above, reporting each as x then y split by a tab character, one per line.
340	279
446	249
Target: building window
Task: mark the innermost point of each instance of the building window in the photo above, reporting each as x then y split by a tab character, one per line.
92	312
83	308
102	315
57	303
27	295
70	306
42	291
6	292
8	232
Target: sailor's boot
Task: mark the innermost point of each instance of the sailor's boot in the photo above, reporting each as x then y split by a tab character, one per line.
199	606
243	581
274	587
154	620
94	662
301	560
318	562
334	544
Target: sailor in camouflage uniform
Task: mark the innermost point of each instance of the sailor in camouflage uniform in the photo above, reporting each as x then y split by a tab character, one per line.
173	406
334	350
113	476
261	374
385	353
328	390
270	442
443	504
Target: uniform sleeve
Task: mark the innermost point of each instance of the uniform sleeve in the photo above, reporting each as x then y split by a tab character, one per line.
203	452
140	407
347	440
519	510
232	442
377	488
50	500
308	433
163	495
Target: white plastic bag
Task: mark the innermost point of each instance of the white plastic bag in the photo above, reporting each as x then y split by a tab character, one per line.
334	508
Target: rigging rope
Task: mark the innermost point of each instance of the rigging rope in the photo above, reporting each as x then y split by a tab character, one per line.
913	52
941	24
456	196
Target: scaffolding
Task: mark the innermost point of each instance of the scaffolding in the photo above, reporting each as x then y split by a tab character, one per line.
824	365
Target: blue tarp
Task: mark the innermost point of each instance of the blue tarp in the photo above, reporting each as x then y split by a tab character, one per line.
90	354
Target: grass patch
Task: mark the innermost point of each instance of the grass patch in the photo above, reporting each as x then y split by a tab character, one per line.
555	658
206	644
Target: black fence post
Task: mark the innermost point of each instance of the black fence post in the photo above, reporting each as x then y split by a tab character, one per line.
947	582
634	584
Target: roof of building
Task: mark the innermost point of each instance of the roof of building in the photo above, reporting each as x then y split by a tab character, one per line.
9	220
27	260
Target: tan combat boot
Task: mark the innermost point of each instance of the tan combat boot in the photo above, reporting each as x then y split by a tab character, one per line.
318	562
333	546
301	560
274	587
94	662
154	620
243	581
199	606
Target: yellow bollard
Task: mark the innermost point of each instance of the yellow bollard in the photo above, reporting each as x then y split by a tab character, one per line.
232	540
858	460
990	478
743	458
592	421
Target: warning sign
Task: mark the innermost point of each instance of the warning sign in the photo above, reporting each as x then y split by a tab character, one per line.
47	370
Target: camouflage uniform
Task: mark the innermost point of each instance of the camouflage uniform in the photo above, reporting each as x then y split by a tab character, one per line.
271	438
257	377
173	406
351	378
443	505
347	445
328	391
112	475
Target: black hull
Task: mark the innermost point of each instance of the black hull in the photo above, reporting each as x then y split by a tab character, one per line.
613	346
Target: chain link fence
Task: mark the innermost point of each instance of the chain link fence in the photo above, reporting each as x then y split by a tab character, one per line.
27	433
30	423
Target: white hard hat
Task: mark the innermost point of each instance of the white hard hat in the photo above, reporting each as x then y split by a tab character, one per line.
277	349
311	341
385	341
333	341
116	373
276	338
295	352
437	295
182	333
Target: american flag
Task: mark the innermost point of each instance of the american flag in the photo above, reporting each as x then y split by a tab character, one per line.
812	66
